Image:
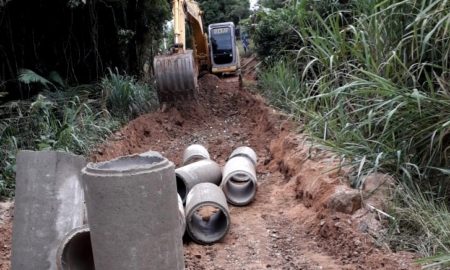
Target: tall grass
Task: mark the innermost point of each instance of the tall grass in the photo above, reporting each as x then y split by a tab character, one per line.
371	80
71	119
125	96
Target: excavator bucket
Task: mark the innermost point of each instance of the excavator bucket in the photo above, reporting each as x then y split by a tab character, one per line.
176	76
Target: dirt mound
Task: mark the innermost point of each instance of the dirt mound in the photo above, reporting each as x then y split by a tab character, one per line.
321	186
213	119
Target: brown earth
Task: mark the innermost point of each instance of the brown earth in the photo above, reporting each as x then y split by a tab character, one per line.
5	234
304	215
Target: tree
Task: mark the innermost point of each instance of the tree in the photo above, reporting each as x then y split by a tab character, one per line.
78	39
273	4
224	11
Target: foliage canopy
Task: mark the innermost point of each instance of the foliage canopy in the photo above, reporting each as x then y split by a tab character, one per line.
224	11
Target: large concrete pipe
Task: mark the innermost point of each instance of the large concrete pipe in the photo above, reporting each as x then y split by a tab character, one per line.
49	203
245	151
202	171
75	251
133	213
194	153
239	180
207	214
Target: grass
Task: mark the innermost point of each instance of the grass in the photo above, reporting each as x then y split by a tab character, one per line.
71	119
126	97
370	80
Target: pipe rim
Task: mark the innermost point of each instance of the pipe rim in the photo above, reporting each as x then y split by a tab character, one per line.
204	240
195	152
64	244
130	164
250	184
183	184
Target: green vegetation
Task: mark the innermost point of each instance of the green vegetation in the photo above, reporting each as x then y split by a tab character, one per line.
224	11
72	119
370	79
273	4
125	97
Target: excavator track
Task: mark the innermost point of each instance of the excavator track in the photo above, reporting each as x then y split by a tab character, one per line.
176	77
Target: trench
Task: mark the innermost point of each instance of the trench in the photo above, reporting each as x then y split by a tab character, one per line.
287	225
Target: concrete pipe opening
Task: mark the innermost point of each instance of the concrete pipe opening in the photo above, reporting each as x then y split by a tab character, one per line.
194	153
75	251
128	163
208	223
239	192
240	177
181	187
239	180
207	214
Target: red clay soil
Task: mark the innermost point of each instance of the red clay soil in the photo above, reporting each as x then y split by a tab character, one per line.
293	222
5	234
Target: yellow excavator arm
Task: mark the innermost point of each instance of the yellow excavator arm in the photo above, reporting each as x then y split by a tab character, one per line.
191	10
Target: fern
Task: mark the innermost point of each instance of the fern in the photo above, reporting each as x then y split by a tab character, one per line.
28	76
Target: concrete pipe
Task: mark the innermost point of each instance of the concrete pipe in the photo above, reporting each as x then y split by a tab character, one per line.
181	216
49	203
75	251
203	171
207	214
194	153
133	213
245	151
239	181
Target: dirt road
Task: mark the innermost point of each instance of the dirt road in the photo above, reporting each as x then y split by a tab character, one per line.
289	225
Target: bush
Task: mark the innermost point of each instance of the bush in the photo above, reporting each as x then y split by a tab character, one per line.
277	31
274	33
125	97
71	119
371	82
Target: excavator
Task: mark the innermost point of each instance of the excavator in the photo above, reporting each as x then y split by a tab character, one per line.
216	52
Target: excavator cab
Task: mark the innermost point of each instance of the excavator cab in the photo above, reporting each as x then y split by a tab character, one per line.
224	54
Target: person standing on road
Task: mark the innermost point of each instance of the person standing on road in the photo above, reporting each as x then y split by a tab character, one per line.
245	43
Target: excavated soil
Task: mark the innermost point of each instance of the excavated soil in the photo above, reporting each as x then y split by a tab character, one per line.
299	218
5	234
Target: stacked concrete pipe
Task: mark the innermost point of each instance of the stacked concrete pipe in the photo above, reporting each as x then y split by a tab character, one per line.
49	203
203	171
212	226
133	213
194	153
239	182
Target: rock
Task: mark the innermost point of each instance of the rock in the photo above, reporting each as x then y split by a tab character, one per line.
377	189
345	200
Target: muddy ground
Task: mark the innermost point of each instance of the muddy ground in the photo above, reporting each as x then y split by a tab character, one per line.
293	222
